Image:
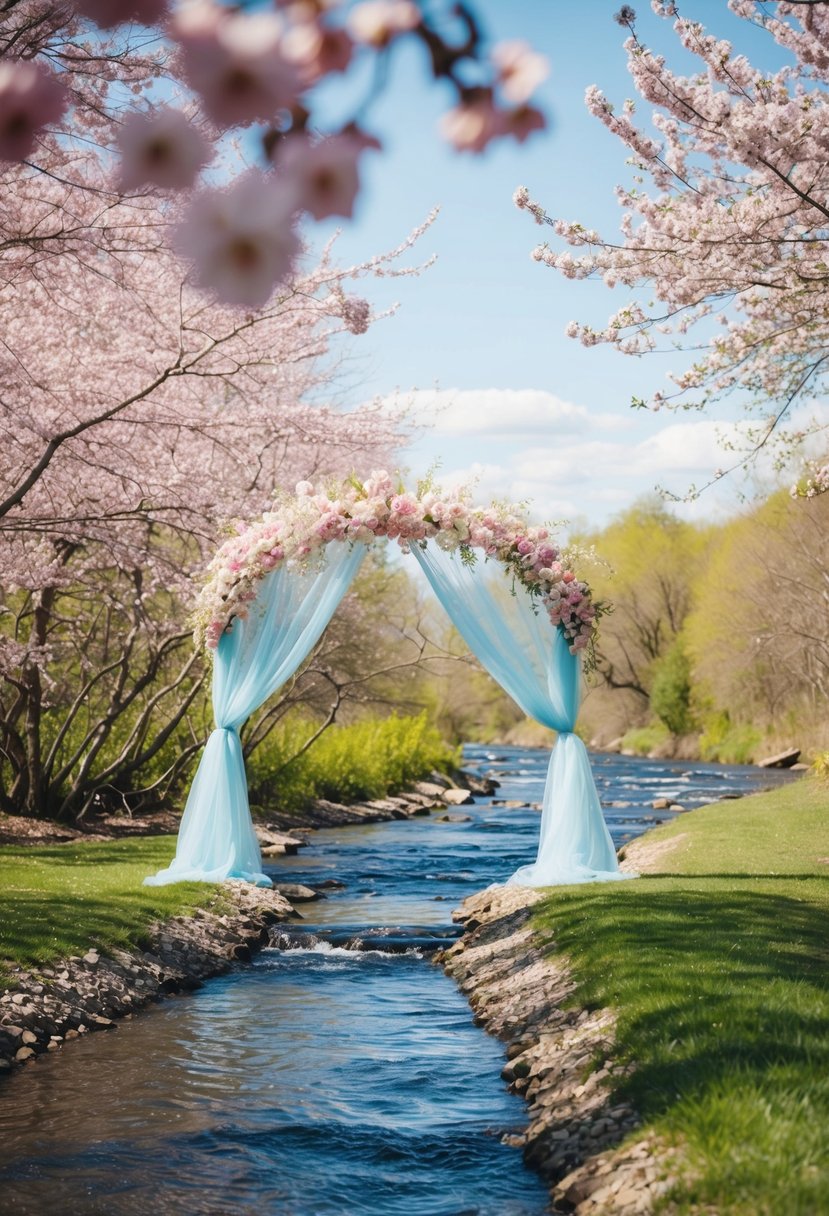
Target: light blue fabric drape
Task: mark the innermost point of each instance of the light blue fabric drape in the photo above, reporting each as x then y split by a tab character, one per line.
513	638
216	839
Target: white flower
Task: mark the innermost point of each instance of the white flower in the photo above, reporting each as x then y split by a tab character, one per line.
240	240
161	148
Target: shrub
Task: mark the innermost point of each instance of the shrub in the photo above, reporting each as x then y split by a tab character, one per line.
366	759
670	697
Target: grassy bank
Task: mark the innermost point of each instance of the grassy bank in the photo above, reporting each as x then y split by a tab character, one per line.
717	965
58	900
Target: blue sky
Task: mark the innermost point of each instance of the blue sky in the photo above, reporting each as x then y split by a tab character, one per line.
478	346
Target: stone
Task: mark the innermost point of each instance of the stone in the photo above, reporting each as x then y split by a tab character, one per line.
23	1053
91	957
662	804
453	818
784	759
29	1038
278	842
428	789
294	891
457	796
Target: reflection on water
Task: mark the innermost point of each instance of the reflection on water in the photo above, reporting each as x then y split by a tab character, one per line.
320	1080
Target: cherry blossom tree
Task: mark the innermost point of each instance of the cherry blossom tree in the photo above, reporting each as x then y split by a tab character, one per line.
107	70
724	224
138	415
167	337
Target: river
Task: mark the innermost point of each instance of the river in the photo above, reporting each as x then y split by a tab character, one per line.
323	1080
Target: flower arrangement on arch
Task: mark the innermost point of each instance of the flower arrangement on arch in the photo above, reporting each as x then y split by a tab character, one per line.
361	512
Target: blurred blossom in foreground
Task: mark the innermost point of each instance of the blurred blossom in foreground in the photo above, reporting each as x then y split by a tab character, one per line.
240	239
31	97
161	148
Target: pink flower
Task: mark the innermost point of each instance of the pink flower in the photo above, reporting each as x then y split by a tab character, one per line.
304	489
377	22
520	69
568	576
524	547
240	240
31	97
405	504
521	122
235	62
323	174
160	148
317	50
471	126
108	13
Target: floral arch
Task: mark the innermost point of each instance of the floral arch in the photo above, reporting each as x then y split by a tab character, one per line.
273	587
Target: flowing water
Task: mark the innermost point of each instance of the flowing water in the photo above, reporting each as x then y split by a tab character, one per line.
323	1080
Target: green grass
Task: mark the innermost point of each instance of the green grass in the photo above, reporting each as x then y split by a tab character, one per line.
719	971
57	900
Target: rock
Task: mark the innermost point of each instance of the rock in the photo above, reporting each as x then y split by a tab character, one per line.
329	884
441	779
274	844
296	892
800	767
784	759
662	804
23	1053
479	785
91	957
457	797
429	789
453	818
28	1038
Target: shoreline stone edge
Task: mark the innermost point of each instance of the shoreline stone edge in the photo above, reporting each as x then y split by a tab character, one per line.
560	1059
51	1005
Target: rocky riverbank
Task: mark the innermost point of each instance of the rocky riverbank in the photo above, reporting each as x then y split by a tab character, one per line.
560	1058
47	1007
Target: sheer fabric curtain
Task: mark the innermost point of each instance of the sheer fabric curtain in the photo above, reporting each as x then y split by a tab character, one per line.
216	839
514	640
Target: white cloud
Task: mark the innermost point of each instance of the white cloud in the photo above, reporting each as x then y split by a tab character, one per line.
497	412
572	463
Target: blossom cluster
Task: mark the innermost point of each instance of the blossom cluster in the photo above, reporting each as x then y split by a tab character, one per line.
233	70
815	481
360	512
723	230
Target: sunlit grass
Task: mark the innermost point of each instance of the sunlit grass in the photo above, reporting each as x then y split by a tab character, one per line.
719	971
58	900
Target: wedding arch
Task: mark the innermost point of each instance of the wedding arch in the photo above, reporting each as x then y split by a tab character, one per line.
273	587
